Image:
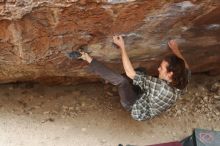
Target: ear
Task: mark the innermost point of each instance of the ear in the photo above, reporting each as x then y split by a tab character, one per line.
170	74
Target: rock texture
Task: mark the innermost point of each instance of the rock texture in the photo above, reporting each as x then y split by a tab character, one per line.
36	34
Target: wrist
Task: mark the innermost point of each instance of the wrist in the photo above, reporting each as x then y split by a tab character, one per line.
122	47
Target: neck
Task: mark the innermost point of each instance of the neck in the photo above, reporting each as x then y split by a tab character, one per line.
164	78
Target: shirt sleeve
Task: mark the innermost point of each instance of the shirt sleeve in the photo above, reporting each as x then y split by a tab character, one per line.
141	80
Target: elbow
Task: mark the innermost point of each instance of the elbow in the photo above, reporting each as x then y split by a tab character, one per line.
137	117
131	75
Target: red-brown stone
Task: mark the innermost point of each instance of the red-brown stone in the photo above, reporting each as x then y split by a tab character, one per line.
35	36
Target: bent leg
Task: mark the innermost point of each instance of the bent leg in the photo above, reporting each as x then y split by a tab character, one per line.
125	89
127	94
104	72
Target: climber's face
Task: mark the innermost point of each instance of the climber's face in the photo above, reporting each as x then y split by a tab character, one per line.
163	73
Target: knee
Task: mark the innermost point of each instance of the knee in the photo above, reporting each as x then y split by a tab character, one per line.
124	81
121	81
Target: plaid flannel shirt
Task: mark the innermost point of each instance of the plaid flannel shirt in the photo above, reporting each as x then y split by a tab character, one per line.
157	97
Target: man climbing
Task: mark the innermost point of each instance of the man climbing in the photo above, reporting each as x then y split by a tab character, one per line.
157	94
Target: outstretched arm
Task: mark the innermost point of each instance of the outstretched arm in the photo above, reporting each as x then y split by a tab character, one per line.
175	49
129	70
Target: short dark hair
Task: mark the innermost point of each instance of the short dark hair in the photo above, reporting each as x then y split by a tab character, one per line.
177	66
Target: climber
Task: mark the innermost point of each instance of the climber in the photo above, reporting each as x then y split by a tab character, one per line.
157	93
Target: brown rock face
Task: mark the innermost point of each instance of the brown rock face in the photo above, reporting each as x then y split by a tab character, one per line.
36	34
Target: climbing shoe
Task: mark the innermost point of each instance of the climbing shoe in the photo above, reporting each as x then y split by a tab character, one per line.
74	55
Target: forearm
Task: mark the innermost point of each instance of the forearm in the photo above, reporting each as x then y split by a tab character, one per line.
178	54
129	70
176	51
